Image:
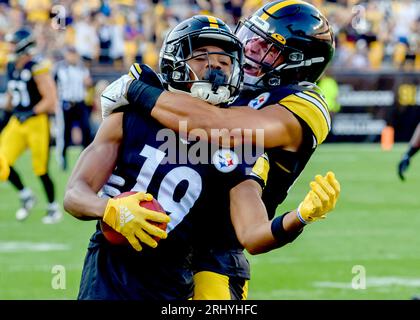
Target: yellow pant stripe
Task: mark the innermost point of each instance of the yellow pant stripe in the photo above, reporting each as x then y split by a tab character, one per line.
211	286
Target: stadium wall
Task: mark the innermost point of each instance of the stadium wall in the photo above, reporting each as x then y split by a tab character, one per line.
372	100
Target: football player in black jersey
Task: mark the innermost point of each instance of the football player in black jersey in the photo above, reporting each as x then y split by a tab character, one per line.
288	45
31	97
130	145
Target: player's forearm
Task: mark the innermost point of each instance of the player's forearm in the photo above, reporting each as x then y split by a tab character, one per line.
82	203
258	239
291	222
172	108
249	218
45	105
8	104
208	121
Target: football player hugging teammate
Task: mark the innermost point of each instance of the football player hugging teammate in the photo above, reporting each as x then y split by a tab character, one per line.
279	96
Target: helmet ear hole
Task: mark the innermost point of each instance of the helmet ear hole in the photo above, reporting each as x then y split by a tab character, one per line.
296	56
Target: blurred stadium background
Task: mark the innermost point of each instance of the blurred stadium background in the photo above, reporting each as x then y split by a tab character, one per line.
374	88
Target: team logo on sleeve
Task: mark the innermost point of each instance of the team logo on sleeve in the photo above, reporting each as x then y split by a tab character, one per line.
225	160
259	101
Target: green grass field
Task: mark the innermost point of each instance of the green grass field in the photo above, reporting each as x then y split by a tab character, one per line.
375	225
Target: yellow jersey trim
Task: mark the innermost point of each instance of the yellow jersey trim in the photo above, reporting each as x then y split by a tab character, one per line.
282	167
314	115
319	103
319	97
261	168
135	71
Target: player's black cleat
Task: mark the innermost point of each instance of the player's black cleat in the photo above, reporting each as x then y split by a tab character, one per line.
403	166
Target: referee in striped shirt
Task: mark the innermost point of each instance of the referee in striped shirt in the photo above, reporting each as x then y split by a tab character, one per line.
73	79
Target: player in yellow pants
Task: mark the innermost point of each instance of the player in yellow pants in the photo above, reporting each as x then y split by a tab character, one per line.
4	168
31	97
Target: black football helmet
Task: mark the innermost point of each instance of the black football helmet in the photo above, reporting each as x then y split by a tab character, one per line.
285	42
193	33
23	41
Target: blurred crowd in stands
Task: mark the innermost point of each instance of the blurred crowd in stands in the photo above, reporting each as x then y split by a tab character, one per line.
373	34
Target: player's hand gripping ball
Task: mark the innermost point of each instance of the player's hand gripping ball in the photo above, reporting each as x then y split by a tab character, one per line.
117	238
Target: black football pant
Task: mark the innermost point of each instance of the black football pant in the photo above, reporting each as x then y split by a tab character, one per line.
73	114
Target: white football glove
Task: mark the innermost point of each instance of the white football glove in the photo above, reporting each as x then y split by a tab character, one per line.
115	95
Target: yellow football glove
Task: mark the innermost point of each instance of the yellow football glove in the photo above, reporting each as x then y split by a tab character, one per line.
320	200
4	168
126	216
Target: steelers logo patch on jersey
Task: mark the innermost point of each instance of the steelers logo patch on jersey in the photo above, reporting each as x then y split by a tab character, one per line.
225	160
259	101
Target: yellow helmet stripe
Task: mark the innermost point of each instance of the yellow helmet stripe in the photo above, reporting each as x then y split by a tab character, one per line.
213	22
279	6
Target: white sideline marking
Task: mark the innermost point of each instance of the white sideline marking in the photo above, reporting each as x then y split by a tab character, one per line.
372	282
37	267
19	246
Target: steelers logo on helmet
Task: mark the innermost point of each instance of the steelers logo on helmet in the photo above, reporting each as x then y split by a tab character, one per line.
285	42
225	160
182	45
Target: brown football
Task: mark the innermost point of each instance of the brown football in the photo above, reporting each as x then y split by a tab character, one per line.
117	238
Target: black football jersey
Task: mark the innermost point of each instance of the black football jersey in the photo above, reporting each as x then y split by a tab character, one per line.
21	84
311	110
216	247
177	173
